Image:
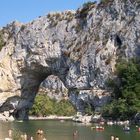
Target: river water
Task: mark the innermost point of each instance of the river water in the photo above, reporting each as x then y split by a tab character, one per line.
56	130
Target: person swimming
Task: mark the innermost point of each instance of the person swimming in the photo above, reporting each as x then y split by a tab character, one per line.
40	132
75	133
112	138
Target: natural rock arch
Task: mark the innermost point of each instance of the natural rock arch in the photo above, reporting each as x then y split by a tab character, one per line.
31	74
82	55
31	59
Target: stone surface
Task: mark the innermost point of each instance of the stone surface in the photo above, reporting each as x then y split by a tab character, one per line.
54	88
80	47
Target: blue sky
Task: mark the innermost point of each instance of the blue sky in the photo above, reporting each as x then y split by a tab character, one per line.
27	10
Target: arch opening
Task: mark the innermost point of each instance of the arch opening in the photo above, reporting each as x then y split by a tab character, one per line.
52	99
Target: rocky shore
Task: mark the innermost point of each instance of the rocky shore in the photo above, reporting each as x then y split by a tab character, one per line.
51	117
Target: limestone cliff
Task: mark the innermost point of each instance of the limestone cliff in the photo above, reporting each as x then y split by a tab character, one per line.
80	47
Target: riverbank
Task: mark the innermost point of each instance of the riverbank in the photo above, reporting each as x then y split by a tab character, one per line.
81	119
51	117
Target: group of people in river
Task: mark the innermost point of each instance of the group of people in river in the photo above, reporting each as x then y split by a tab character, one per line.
39	133
114	138
126	128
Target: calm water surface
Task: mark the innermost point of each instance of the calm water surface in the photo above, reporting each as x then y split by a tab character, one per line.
56	130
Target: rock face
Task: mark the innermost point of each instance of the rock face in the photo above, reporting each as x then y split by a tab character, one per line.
80	47
54	88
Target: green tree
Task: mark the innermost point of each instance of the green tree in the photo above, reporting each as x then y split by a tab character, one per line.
126	88
44	106
88	109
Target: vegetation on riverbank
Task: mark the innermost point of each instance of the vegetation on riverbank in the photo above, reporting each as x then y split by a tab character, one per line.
44	106
126	89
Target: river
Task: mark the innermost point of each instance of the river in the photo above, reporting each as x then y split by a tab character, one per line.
56	130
